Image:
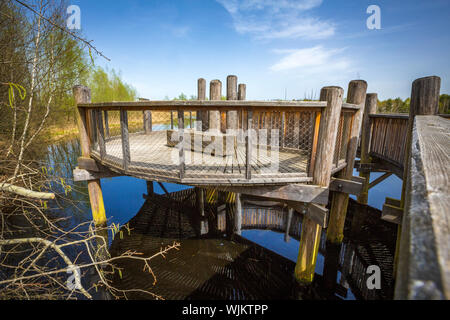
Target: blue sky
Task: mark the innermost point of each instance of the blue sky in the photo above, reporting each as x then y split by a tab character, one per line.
161	47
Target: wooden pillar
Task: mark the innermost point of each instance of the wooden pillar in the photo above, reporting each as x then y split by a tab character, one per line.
200	202
242	91
105	114
125	138
232	94
369	108
248	145
150	189
311	231
424	101
147	115
238	215
339	201
288	224
181	142
83	95
215	93
201	116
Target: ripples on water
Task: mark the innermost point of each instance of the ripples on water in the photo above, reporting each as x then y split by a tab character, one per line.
257	265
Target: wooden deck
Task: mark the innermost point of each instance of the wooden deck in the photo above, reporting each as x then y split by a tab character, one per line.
151	157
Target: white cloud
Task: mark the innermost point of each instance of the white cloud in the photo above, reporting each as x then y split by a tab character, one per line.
266	19
312	60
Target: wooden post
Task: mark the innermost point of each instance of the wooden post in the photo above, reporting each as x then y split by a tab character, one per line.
83	95
215	93
201	116
248	145
282	131
181	142
147	121
288	224
150	188
125	138
200	202
242	91
238	215
105	114
171	120
100	134
232	94
424	101
339	201
311	231
369	108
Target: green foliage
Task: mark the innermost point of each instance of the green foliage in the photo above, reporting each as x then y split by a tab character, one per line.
402	106
393	106
108	86
444	104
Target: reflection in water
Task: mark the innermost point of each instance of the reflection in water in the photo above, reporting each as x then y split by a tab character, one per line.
231	267
258	265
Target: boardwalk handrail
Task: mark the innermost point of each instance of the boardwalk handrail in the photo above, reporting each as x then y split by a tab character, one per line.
423	270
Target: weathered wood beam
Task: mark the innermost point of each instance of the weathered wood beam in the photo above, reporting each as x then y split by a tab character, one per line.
238	215
164	189
346	186
339	202
181	155
292	192
215	94
87	175
380	179
100	133
423	265
125	139
83	95
288	224
89	164
232	94
248	145
370	107
326	143
392	213
393	202
317	213
201	116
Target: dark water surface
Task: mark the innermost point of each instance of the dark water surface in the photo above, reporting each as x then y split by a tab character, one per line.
257	265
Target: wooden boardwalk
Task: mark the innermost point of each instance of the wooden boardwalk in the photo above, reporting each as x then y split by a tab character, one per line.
315	146
153	158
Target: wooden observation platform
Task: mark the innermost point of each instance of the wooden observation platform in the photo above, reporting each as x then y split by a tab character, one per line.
300	153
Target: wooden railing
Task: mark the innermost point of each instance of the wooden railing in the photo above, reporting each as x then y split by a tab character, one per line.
388	138
424	260
158	140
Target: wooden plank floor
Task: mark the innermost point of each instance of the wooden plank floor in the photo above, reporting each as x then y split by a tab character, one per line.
152	157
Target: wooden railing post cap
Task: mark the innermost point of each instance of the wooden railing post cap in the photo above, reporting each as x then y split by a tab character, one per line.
82	94
426	79
331	90
425	96
357	91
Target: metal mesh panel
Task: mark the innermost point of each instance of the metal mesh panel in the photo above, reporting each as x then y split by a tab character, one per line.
147	143
343	137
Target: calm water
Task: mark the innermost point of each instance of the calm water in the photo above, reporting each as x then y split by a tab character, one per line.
221	266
